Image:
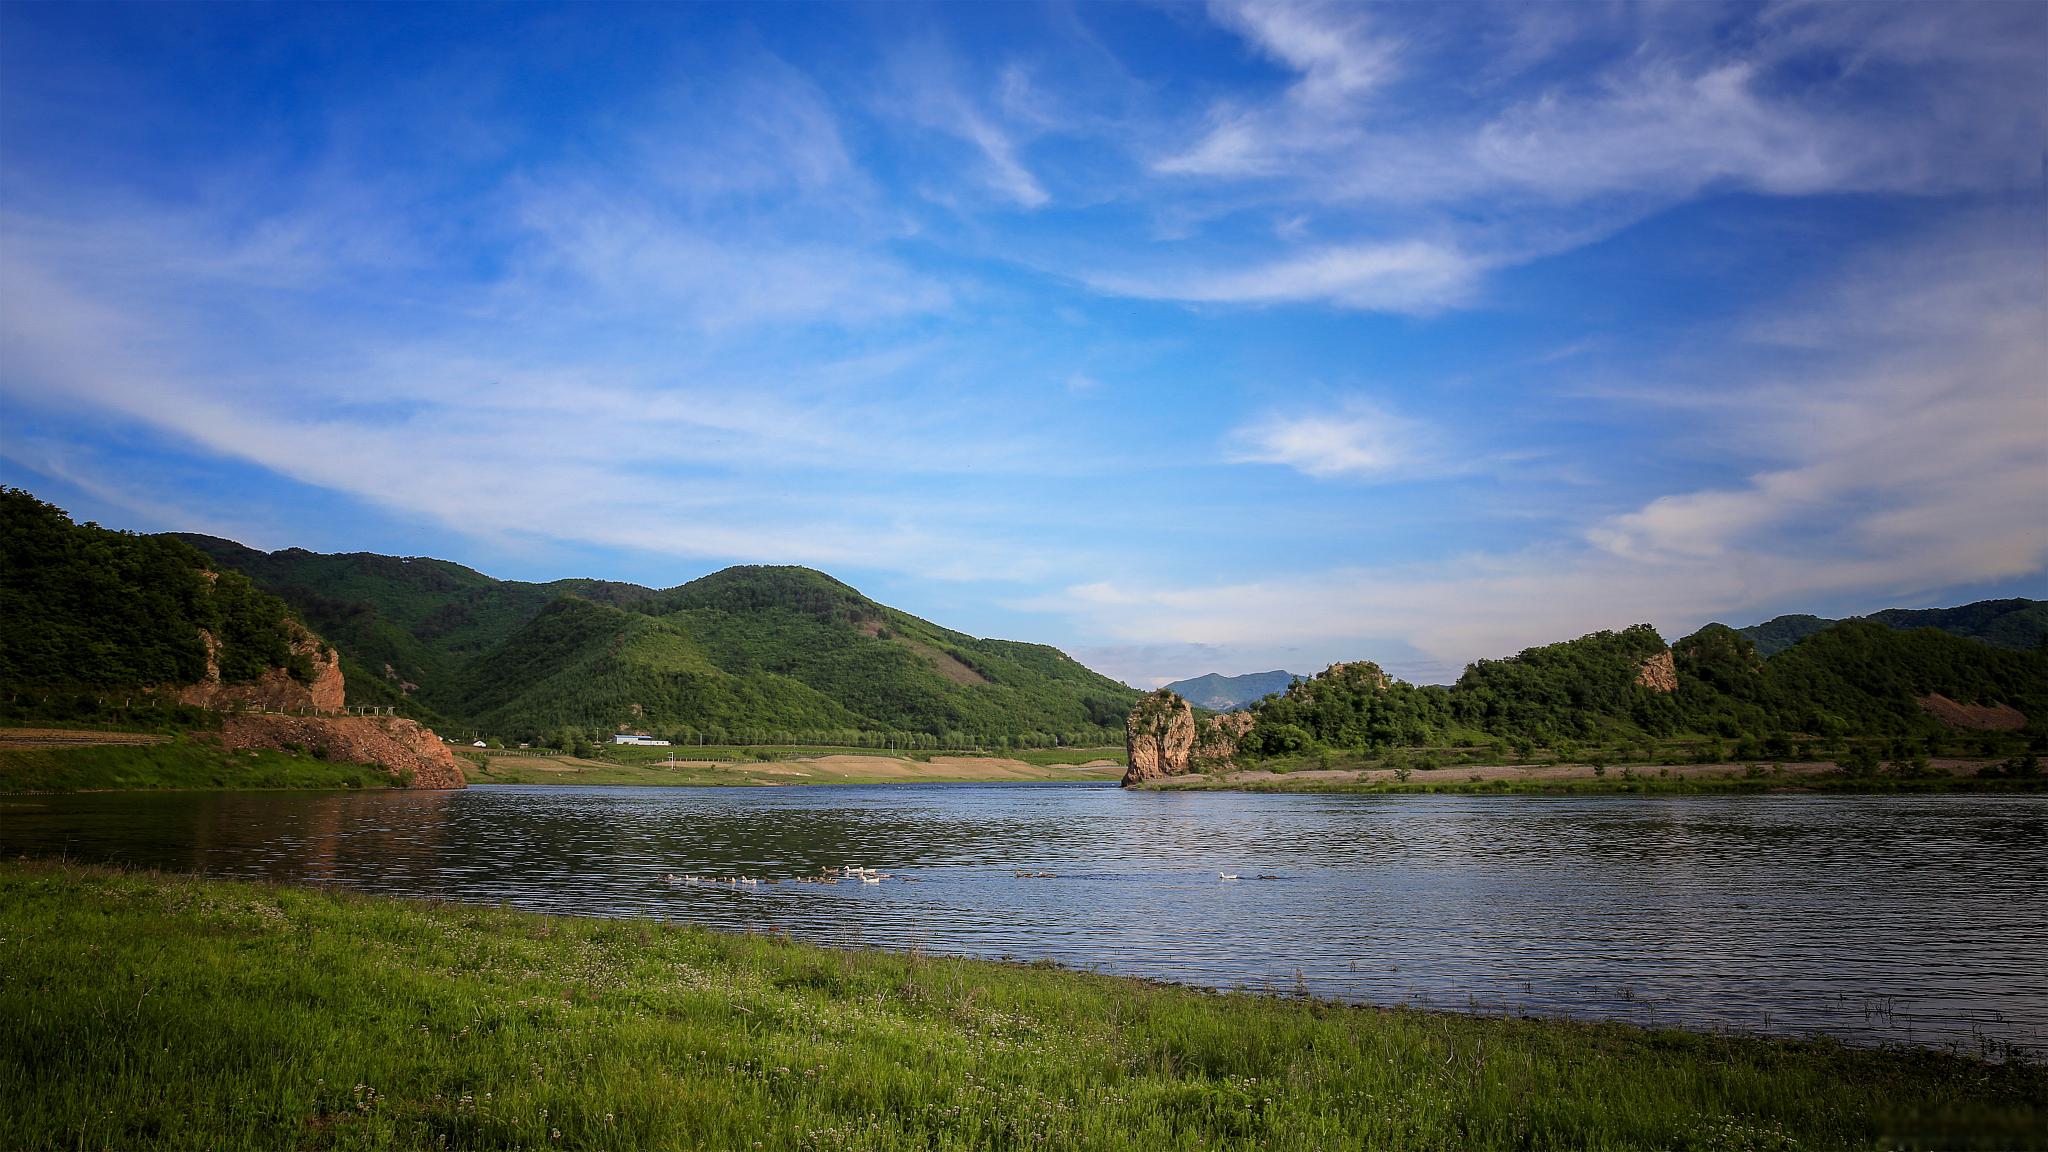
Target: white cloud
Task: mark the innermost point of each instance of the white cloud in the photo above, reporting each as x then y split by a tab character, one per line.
1908	455
711	273
1666	129
1340	62
1358	440
1413	276
1237	144
1393	146
1333	47
931	96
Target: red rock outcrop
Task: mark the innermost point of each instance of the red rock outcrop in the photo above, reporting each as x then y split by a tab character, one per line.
1159	737
1976	717
1658	673
414	756
276	690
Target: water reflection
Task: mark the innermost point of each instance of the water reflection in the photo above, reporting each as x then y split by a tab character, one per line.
1871	918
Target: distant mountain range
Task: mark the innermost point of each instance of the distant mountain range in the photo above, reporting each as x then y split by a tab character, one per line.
2021	625
1229	693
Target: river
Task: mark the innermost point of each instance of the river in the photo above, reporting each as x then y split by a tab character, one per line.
1914	919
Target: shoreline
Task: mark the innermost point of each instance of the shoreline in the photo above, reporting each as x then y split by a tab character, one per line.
829	768
410	1022
1977	775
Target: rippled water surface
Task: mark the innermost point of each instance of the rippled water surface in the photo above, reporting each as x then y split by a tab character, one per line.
1919	919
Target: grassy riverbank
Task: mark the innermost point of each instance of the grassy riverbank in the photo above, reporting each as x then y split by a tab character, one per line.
143	1011
181	763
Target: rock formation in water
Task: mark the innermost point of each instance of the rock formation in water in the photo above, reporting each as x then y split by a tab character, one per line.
1159	736
414	756
1658	673
277	689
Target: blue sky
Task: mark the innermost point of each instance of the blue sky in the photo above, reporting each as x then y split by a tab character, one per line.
1186	338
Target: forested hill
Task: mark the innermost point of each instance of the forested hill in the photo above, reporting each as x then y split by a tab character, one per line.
87	609
1852	679
2018	624
754	653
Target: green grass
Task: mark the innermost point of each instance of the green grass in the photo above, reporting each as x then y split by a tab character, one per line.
146	1011
182	763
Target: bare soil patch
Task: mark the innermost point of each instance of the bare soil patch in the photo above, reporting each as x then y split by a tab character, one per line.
1975	717
945	663
73	738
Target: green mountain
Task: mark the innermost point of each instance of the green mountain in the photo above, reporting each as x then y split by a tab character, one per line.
755	653
1781	632
1229	693
1853	678
2018	624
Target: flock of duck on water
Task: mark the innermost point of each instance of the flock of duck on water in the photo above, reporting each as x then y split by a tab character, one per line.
855	872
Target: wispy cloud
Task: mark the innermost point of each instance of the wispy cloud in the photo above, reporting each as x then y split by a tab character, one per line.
1334	47
1442	184
1910	458
1340	61
930	94
722	301
1414	276
1358	440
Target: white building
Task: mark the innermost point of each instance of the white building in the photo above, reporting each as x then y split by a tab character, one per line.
635	738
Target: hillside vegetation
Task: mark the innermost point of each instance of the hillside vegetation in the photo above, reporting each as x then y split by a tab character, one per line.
751	654
1856	679
84	609
2018	624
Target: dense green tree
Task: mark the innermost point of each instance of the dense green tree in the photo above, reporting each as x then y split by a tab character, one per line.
85	607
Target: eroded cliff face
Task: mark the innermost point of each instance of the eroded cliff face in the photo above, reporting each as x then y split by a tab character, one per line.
414	756
276	690
1159	737
1658	673
1216	740
278	712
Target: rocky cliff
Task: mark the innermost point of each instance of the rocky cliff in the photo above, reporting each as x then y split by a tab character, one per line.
1159	737
277	690
1216	740
414	756
1658	673
278	711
